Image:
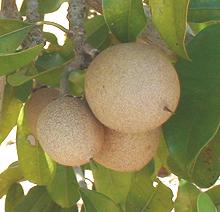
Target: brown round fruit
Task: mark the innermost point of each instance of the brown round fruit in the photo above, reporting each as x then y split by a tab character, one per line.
68	131
128	152
132	87
38	101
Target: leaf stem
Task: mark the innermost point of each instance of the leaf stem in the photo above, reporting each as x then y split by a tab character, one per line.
39	23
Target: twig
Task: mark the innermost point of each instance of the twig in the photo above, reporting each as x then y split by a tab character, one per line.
80	177
35	36
9	9
76	16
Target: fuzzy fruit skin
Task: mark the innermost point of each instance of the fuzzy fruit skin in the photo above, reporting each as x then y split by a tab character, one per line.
38	101
128	86
128	152
68	132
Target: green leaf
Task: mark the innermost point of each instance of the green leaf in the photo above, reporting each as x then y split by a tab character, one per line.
11	175
50	76
125	18
144	197
96	202
170	18
10	62
206	169
14	196
186	197
204	203
113	184
10	25
214	194
204	10
37	167
45	6
36	200
10	110
97	32
197	118
63	188
23	91
76	80
9	42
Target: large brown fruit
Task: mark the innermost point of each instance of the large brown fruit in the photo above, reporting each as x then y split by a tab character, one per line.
132	87
68	131
128	152
38	101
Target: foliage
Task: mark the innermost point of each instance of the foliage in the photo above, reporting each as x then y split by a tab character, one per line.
191	145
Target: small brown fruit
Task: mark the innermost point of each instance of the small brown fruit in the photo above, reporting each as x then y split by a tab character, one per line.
128	152
129	86
68	131
38	101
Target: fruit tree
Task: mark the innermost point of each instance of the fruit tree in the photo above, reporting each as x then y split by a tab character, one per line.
133	95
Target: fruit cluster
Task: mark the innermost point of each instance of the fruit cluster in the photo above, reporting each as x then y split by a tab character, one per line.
131	89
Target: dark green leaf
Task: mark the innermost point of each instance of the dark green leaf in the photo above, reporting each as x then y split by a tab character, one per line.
206	169
11	175
204	203
36	200
45	6
113	184
64	188
10	62
97	202
125	18
144	197
9	42
10	110
14	196
170	18
197	118
204	10
23	91
37	167
186	197
97	32
214	194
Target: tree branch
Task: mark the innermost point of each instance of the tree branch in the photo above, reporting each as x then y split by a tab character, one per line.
9	9
35	36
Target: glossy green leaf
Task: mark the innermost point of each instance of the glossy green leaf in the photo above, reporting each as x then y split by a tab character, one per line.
23	91
9	42
10	25
36	200
170	18
113	184
97	202
10	62
214	194
45	6
204	203
204	10
76	80
11	175
125	18
206	169
197	118
14	196
37	167
97	32
64	188
186	197
143	196
10	110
